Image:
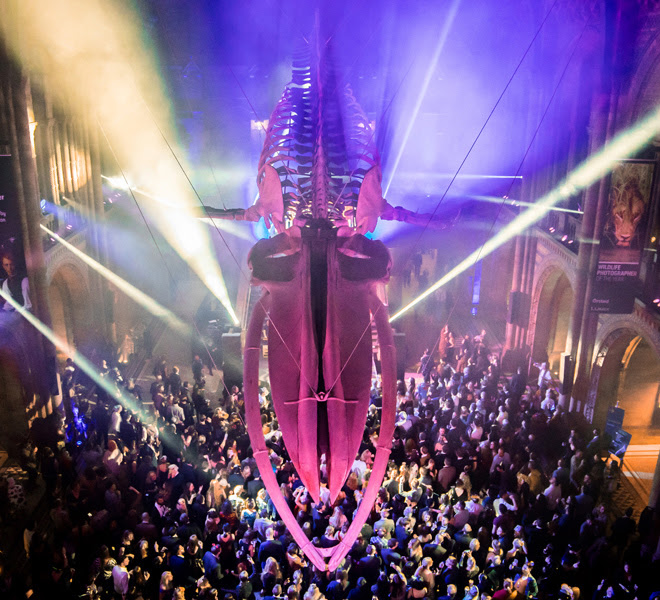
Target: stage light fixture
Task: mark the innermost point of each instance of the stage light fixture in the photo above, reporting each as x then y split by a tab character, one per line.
118	183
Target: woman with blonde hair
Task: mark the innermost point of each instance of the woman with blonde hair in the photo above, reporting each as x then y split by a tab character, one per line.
518	551
166	585
218	489
144	557
494	550
270	576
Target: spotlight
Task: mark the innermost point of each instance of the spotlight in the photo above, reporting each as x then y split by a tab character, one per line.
117	182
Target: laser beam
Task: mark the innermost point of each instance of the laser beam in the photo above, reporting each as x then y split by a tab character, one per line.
624	145
96	54
113	391
84	364
424	88
511	202
131	291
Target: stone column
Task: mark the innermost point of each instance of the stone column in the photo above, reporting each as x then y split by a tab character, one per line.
598	127
59	160
96	230
597	204
30	212
511	328
66	159
529	259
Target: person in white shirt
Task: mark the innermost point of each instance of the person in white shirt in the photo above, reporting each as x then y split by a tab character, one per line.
548	405
360	465
507	500
501	458
113	457
474	505
15	286
545	376
553	493
120	576
263	396
115	420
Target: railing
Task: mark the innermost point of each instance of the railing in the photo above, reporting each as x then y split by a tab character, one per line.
563	227
66	223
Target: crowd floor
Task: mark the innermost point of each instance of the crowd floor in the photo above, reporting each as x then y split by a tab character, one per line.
492	492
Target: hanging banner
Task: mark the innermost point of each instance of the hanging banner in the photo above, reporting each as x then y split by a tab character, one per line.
13	275
623	237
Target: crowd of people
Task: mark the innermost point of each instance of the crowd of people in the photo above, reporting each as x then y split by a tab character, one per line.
488	494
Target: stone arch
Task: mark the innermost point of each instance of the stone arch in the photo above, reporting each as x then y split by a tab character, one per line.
645	84
551	304
60	257
70	302
627	370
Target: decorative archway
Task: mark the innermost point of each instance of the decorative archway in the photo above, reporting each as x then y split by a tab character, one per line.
627	363
69	303
551	309
645	84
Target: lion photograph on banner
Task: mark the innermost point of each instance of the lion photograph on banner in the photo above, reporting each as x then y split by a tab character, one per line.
630	192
